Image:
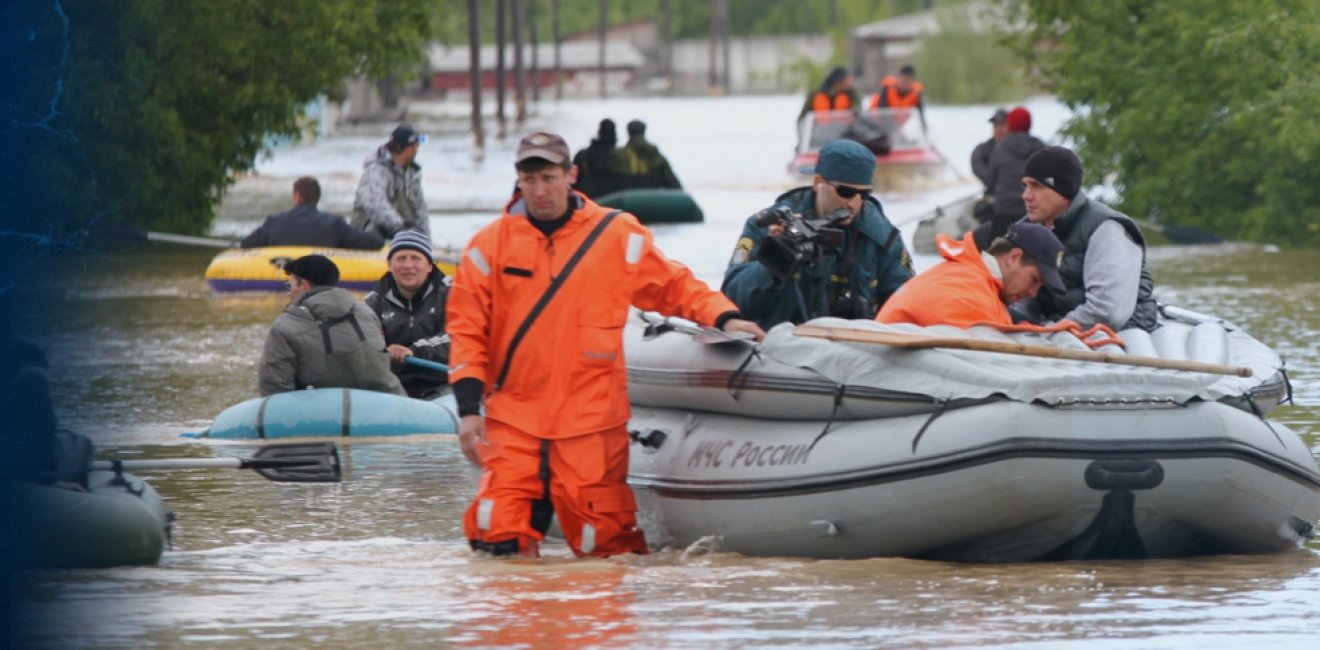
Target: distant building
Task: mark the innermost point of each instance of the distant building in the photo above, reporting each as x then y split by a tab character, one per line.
579	65
880	49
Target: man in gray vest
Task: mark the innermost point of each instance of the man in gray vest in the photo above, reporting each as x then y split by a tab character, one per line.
1104	253
324	338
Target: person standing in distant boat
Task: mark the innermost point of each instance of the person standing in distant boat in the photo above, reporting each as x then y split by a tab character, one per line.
1006	163
552	280
593	162
985	208
836	93
324	338
410	302
304	225
900	94
639	164
389	194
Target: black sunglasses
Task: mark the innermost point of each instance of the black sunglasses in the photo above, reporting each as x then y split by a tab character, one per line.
846	192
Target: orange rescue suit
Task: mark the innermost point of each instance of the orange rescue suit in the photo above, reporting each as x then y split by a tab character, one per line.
564	402
822	102
959	291
889	86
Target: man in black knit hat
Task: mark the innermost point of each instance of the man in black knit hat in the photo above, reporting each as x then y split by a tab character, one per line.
1104	253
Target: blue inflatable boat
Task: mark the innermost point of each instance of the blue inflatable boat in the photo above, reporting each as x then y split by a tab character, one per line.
335	412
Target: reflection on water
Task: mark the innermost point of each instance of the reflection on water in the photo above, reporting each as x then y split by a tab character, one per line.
142	353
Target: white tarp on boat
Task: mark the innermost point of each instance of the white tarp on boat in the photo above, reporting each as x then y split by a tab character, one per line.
966	374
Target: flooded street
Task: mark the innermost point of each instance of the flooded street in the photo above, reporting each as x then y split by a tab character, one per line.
142	352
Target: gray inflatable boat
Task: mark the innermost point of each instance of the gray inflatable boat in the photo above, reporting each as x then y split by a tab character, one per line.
816	448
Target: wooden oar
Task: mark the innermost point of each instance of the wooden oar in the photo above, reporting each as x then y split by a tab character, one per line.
301	462
122	230
906	340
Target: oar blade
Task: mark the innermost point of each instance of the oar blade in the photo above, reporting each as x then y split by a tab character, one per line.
298	462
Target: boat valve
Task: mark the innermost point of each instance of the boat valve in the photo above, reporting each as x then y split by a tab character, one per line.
652	439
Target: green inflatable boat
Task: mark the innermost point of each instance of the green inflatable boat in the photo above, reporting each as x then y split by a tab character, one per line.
652	206
119	520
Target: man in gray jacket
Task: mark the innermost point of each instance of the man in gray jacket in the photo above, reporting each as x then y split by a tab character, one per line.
389	194
324	338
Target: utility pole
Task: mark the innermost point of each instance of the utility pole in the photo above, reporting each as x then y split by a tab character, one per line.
519	76
474	79
536	55
499	68
559	71
724	37
667	59
712	76
600	32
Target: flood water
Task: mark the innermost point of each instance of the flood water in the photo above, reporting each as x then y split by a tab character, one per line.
143	352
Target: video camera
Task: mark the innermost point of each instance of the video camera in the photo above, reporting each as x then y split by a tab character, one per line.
800	244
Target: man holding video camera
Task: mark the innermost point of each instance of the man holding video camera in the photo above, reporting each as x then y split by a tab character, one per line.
823	250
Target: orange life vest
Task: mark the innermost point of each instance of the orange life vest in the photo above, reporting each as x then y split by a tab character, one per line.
889	87
822	102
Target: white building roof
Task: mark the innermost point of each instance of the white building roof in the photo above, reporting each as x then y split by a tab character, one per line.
577	56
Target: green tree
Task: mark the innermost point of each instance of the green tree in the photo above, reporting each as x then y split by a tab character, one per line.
1201	113
159	103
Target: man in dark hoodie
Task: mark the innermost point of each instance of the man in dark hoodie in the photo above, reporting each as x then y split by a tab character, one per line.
640	164
410	301
1005	187
594	178
324	338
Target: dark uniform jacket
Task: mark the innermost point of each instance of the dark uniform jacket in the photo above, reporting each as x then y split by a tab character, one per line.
419	324
304	225
843	284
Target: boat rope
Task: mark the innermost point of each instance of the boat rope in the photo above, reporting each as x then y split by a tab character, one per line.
941	405
741	372
1255	410
1287	384
839	391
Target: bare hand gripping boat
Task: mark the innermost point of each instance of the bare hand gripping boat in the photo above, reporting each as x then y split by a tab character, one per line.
818	448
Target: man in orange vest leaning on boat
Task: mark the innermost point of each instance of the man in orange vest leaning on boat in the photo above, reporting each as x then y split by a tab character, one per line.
304	225
971	287
900	92
536	316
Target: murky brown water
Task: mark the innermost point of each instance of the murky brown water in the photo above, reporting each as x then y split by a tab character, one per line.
142	352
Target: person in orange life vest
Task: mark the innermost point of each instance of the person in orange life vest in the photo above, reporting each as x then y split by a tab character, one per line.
901	92
971	287
542	345
836	93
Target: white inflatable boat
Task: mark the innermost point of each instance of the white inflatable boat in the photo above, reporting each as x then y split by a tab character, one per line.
809	447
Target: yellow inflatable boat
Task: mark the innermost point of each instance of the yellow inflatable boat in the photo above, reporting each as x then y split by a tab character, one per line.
262	269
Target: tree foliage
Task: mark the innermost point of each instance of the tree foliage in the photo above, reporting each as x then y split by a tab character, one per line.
159	103
1201	113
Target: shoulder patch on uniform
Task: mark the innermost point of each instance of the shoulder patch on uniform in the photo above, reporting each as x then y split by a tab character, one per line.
906	261
742	251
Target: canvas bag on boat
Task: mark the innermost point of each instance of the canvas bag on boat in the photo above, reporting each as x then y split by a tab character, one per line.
356	367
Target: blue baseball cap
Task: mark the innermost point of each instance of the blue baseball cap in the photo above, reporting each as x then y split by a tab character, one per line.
846	161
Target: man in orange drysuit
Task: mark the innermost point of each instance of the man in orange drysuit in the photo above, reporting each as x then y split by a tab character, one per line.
971	287
553	439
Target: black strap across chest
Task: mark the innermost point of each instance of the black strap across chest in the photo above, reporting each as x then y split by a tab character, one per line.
550	292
